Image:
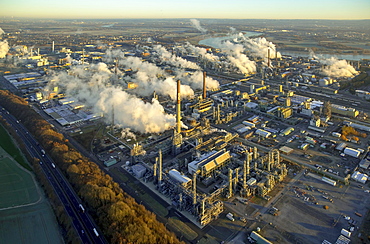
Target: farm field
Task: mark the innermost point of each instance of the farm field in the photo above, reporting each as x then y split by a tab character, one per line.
25	214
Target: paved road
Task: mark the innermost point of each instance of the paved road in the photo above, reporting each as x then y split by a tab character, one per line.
82	221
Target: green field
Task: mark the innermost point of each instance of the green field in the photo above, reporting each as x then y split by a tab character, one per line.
16	185
7	144
31	224
183	228
25	215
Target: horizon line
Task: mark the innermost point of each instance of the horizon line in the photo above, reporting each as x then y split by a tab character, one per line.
163	18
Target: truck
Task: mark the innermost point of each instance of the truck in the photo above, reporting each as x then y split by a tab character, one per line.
96	232
230	216
81	208
43	151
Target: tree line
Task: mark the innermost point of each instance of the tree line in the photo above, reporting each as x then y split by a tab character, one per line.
119	216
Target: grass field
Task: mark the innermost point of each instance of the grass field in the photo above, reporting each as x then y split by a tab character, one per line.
16	185
30	224
183	228
25	215
155	206
7	143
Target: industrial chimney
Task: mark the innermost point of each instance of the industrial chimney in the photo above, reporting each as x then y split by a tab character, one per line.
268	57
276	55
204	85
52	47
178	109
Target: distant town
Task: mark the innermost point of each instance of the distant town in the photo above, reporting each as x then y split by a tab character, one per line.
229	131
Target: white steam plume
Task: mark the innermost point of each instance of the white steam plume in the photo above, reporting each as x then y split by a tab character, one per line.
4	46
112	54
151	78
93	88
196	24
232	31
127	133
238	58
201	52
196	81
172	59
337	68
258	48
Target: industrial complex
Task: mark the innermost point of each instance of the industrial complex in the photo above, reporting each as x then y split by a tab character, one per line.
212	131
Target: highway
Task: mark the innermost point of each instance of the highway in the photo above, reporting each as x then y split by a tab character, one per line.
81	220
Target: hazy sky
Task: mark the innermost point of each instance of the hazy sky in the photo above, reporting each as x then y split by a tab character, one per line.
232	9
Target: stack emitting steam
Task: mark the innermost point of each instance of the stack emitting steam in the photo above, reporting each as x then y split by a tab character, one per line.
202	52
4	46
172	59
151	78
334	67
204	85
196	24
178	108
337	68
261	48
238	58
93	88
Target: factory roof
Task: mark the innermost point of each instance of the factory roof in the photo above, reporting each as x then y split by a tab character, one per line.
211	160
286	150
299	99
259	239
365	163
357	176
176	175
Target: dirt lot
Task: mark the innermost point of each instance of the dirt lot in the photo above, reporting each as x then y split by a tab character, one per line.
302	221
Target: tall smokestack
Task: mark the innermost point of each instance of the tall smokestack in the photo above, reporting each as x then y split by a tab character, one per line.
194	188
276	55
160	166
268	57
204	85
178	109
52	47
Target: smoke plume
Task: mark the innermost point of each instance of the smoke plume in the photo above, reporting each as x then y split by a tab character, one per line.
258	47
151	78
238	58
4	46
167	57
127	133
201	52
196	24
337	68
93	87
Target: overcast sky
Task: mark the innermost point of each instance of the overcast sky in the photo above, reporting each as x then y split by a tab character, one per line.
234	9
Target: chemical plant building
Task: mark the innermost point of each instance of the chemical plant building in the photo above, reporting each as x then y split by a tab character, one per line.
27	82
